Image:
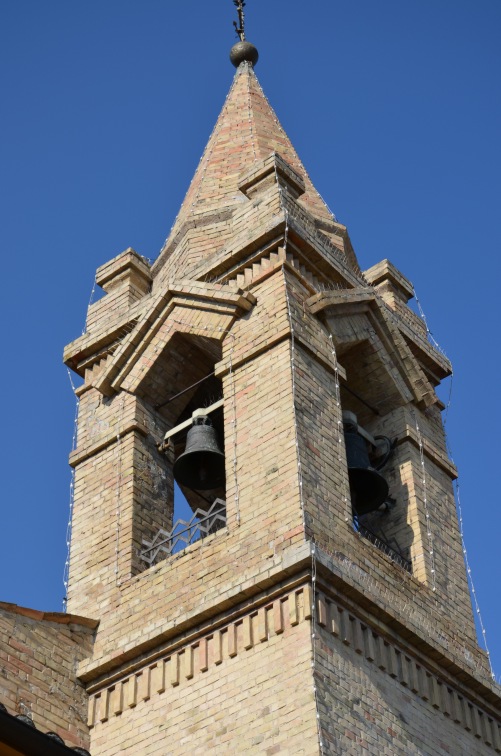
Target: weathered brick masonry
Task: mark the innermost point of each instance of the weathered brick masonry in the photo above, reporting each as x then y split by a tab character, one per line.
288	630
39	657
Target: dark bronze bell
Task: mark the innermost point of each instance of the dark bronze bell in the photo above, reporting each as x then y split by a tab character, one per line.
201	465
368	488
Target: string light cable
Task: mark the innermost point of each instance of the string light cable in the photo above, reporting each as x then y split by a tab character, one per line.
470	577
395	320
292	353
314	642
393	317
300	476
335	364
435	343
423	318
293	379
118	513
348	517
249	105
234	424
69	525
91	302
427	515
457	498
302	168
456	486
205	160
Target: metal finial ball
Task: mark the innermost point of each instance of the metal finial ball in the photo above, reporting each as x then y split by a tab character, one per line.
243	51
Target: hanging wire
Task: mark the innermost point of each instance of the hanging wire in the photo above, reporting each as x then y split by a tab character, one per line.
395	320
118	513
249	106
456	483
449	400
277	123
292	352
457	498
470	577
437	346
423	318
300	474
455	488
91	300
425	504
421	451
234	424
314	641
340	431
69	526
207	153
293	377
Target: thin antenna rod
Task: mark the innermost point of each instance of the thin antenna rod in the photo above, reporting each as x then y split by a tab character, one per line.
240	27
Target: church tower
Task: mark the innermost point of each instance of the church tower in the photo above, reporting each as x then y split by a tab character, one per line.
318	603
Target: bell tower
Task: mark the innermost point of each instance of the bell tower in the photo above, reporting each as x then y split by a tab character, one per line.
316	602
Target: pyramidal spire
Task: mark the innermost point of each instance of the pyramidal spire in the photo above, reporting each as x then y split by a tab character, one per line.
246	132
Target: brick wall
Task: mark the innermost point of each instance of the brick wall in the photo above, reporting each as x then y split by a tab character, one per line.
246	687
211	649
39	656
375	698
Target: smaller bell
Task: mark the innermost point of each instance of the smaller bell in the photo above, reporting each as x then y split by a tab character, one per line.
368	488
201	465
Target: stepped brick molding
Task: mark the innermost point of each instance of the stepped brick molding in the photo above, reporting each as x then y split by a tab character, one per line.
182	663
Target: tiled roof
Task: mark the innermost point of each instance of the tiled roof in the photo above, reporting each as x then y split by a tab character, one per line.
20	733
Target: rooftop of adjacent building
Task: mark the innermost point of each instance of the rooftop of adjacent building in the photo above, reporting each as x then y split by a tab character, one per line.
20	737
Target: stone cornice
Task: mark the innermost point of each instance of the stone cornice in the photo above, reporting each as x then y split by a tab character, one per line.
194	293
432	683
80	455
431	450
333	569
255	621
97	674
185	658
294	571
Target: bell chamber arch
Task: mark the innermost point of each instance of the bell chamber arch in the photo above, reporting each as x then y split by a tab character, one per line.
382	391
187	394
176	363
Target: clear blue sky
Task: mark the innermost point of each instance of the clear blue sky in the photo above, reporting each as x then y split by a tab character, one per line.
395	110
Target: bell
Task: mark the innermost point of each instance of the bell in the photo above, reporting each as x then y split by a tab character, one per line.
367	487
201	465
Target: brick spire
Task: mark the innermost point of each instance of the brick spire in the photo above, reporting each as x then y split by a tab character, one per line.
247	131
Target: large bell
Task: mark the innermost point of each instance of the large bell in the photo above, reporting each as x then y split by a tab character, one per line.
367	487
201	465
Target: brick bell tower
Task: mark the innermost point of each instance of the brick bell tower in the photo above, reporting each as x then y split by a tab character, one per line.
324	607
